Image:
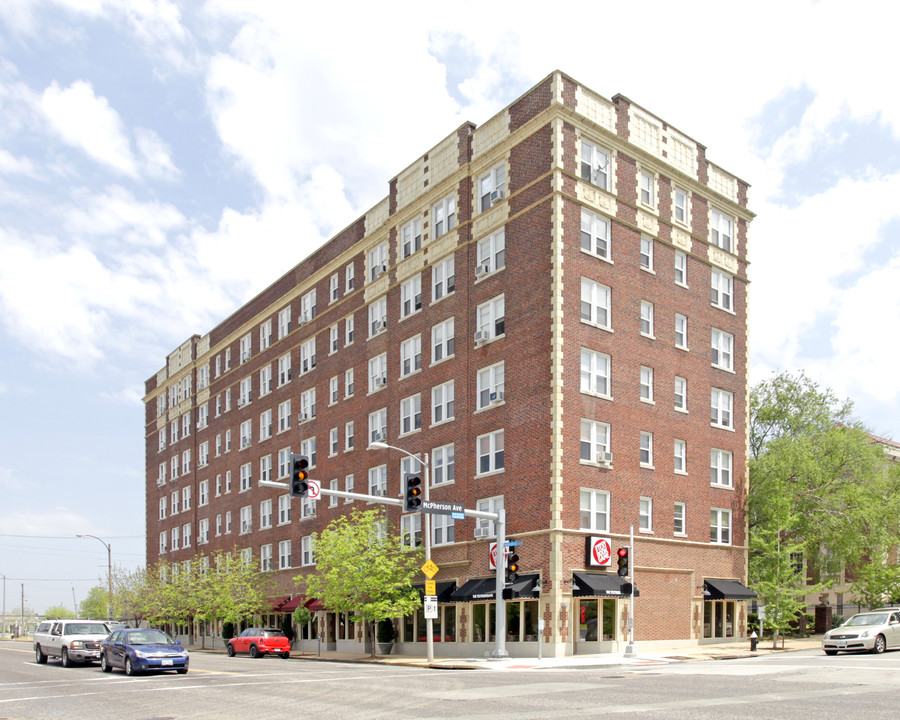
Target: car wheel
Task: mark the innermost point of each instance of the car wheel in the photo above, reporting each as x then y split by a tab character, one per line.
129	667
64	658
182	671
230	650
831	652
285	655
254	652
104	664
880	645
39	657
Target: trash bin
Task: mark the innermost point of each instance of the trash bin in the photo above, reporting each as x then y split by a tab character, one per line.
754	638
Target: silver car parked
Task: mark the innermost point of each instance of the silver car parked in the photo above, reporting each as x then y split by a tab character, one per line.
873	631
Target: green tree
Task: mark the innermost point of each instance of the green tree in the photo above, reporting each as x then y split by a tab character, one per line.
96	604
877	582
58	611
819	487
364	570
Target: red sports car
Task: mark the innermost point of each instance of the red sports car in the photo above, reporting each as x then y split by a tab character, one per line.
259	641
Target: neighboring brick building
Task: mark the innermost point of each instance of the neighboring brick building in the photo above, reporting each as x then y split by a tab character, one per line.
553	308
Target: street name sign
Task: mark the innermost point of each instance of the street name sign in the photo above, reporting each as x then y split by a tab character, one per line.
436	507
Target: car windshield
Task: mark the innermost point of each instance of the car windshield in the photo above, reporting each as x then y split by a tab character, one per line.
150	637
86	629
868	619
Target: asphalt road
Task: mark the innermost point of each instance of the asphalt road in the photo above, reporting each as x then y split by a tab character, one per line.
791	686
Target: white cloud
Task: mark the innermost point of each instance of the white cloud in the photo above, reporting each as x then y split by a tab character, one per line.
117	215
11	165
87	122
155	155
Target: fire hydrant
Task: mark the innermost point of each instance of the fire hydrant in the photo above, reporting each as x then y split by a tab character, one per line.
754	638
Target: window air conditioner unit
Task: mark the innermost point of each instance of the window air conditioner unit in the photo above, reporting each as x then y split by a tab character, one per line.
303	319
378	437
496	195
380	270
380	382
482	270
606	459
497	397
245	356
482	532
302	417
481	337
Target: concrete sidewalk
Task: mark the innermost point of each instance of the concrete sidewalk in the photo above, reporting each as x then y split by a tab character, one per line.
723	651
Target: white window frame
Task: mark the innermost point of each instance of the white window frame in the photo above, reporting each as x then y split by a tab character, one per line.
721	468
722	349
721	230
308	356
681	331
596	304
410	356
443	340
349	330
681	277
595	373
596	164
490	386
594	441
679	456
443	464
443	402
378	373
284	369
720	526
679	519
378	425
680	390
378	481
491	187
647	253
490	319
377	316
334	287
443	530
443	278
411	237
681	208
647	189
646	446
645	515
594	510
722	408
646	384
411	296
722	286
284	416
491	254
596	234
647	319
443	215
284	554
490	453
410	414
307	550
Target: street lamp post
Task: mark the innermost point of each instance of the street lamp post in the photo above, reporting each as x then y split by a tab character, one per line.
426	530
108	547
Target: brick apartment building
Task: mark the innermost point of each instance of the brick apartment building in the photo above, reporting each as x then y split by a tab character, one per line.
552	308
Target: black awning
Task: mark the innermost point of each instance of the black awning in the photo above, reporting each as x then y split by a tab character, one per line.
444	590
715	589
526	586
585	584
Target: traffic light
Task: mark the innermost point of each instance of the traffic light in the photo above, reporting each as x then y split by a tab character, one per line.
622	561
299	476
512	568
412	492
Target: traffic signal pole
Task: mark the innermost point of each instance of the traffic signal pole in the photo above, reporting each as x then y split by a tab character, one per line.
630	649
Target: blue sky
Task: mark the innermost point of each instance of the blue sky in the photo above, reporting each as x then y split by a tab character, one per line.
162	162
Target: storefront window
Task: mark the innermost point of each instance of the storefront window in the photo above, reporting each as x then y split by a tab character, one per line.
450	623
729	619
587	625
421	626
597	620
513	621
718	619
530	620
480	621
408	628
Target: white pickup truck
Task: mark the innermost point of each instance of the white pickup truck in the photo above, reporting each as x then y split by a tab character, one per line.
72	641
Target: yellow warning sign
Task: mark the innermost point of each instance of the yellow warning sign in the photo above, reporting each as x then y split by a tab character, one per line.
430	569
430	587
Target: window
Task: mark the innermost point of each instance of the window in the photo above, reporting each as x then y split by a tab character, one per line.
443	464
349	326
348	435
595	303
333	390
595	234
246	391
722	290
491	253
491	187
162	439
680	457
681	268
680	524
307	550
348	382
203	454
308	356
185	425
720	467
646	449
411	530
680	205
203	375
265	335
410	355
443	278
163	505
411	237
228	522
175	500
308	448
647	189
443	342
680	394
203	493
334	284
175	533
444	216
203	531
646	514
680	331
595	442
647	384
721	402
490	385
378	480
721	230
307	508
720	526
349	282
307	405
594	373
161	478
491	319
284	462
378	372
284	369
284	509
284	416
722	350
378	425
332	499
246	519
411	296
186	498
265	514
246	477
410	414
227	359
265	425
442	402
483	526
594	510
284	554
246	343
595	165
442	530
377	259
647	253
333	342
348	487
246	433
377	316
490	453
647	318
332	442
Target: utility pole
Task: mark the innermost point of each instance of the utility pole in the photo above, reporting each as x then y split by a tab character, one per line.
109	597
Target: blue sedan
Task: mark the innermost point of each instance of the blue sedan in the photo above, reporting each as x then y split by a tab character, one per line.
138	650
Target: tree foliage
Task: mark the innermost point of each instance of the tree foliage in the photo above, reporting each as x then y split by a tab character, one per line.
58	611
96	604
364	570
819	486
